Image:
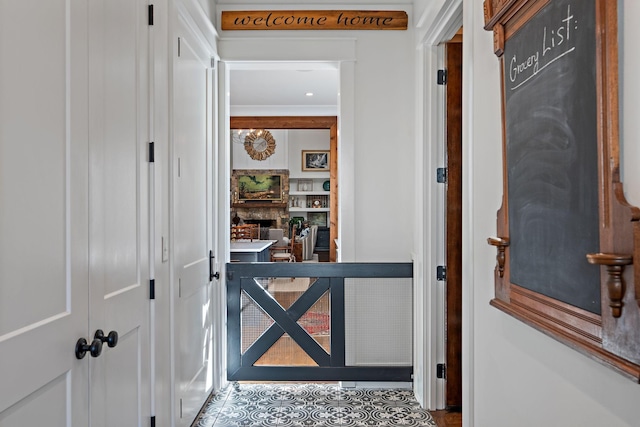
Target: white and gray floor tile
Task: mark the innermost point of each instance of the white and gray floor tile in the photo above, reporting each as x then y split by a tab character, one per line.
318	405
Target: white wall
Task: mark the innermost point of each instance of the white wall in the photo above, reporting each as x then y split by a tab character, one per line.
520	376
306	139
278	160
288	154
383	146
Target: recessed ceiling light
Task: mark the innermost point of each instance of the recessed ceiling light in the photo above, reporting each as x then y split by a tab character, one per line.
309	93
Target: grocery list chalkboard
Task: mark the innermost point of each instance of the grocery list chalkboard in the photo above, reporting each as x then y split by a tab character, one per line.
552	153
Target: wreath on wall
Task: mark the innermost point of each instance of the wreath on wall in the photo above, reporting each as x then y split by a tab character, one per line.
259	144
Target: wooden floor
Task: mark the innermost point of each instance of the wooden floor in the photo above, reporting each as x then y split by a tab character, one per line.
447	419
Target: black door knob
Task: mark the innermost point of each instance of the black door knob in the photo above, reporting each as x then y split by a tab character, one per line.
111	339
95	348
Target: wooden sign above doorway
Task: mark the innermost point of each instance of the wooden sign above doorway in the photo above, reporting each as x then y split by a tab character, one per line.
314	20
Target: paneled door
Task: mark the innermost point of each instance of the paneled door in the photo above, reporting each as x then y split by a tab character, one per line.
73	191
119	210
192	160
44	256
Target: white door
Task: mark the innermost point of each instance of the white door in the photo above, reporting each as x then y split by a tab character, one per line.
119	211
73	221
192	236
43	212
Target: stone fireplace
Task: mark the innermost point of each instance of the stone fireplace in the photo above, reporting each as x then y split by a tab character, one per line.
266	217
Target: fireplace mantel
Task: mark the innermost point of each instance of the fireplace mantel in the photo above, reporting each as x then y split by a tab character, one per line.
274	208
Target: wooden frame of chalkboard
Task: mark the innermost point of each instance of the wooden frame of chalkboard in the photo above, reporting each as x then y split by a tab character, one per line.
567	238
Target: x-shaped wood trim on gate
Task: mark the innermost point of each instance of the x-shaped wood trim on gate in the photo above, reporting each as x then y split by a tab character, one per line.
285	321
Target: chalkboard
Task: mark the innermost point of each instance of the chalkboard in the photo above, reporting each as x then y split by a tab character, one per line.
552	153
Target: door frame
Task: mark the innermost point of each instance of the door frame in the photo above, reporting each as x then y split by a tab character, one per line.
240	53
440	24
453	220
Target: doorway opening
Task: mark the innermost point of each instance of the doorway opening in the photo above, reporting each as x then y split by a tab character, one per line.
445	314
293	107
304	197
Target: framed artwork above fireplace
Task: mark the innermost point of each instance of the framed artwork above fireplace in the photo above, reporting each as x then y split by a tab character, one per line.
254	187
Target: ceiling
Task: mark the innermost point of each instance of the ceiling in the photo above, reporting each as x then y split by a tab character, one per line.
281	89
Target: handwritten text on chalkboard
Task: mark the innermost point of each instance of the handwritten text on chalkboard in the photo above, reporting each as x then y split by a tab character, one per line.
556	42
552	153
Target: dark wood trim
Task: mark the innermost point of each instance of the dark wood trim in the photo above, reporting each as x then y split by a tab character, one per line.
551	329
454	224
509	16
333	195
305	122
282	122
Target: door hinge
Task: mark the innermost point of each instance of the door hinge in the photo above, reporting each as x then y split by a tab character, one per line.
150	9
441	371
441	273
178	47
442	77
152	152
152	289
441	175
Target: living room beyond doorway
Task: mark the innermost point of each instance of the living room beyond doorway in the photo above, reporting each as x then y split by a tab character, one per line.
290	186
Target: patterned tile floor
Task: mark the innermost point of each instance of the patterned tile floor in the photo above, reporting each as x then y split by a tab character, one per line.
318	405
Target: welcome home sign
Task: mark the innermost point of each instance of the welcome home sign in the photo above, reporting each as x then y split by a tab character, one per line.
314	20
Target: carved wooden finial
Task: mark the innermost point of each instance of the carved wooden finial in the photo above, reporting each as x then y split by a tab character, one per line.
615	264
501	243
